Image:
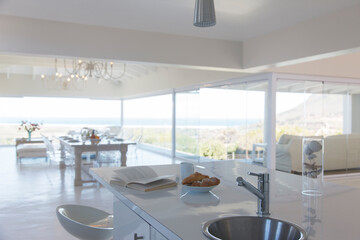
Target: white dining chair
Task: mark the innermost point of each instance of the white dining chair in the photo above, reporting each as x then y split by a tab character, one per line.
108	158
133	148
85	222
54	155
113	131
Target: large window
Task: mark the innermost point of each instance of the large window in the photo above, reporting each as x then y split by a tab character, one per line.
188	124
221	122
149	119
57	115
315	108
232	120
308	108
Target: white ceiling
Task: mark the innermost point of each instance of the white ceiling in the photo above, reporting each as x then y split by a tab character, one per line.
236	19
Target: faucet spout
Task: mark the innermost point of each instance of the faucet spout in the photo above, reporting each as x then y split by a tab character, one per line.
250	187
262	192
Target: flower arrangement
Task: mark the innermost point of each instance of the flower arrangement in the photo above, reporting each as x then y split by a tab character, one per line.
29	127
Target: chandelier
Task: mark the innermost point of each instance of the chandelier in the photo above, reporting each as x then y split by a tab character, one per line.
75	75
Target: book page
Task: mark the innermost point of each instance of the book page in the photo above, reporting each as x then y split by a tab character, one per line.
152	186
150	180
142	178
130	174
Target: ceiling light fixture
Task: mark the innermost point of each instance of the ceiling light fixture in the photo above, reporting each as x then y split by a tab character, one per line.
204	14
75	75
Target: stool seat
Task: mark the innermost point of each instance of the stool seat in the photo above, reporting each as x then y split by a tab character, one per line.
85	222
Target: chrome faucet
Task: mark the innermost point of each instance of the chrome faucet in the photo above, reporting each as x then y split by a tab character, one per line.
262	192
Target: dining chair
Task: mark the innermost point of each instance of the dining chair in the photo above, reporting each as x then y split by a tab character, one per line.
133	148
54	155
108	158
50	150
113	131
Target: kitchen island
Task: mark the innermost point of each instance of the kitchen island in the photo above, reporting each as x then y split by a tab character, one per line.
176	214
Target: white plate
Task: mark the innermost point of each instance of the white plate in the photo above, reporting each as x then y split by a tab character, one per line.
198	189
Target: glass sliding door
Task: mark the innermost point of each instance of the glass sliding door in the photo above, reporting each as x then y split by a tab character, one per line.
187	124
221	123
351	130
318	109
256	102
314	108
232	120
221	120
295	105
290	105
149	120
58	116
299	113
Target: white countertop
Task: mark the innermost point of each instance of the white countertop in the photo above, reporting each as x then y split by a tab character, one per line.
177	214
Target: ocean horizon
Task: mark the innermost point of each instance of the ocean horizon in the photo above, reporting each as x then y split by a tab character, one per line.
133	121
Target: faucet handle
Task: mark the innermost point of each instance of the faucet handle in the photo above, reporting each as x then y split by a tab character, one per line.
261	176
255	174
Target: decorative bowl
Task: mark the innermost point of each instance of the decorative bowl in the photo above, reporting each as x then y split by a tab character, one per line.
194	189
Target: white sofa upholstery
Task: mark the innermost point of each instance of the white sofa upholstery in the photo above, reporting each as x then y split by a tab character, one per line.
340	152
30	150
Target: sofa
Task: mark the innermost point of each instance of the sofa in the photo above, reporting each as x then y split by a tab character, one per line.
32	150
340	152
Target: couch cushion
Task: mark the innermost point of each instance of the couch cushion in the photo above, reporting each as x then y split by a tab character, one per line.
31	148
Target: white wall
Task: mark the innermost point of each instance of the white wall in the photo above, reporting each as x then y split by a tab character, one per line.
50	38
167	79
333	33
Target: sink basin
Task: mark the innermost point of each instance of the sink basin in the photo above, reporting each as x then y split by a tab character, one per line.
252	227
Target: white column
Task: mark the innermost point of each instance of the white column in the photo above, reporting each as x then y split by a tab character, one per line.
173	125
270	122
122	113
355	114
347	114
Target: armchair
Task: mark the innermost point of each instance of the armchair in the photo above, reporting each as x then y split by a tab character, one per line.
289	153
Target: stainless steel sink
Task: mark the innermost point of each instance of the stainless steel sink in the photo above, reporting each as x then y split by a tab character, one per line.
252	228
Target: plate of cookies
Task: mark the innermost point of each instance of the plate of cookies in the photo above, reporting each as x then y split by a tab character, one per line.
198	182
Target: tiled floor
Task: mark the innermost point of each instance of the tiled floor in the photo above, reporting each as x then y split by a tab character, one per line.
31	191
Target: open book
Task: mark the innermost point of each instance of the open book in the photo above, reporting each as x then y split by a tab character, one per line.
142	178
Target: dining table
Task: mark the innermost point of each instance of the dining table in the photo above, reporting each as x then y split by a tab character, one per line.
77	146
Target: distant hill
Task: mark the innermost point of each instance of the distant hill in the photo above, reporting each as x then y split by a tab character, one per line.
316	108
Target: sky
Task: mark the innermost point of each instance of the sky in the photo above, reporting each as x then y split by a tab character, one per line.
209	104
58	107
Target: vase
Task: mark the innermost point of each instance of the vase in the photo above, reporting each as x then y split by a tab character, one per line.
29	135
312	166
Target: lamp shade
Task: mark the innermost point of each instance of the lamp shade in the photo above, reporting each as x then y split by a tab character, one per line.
204	14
